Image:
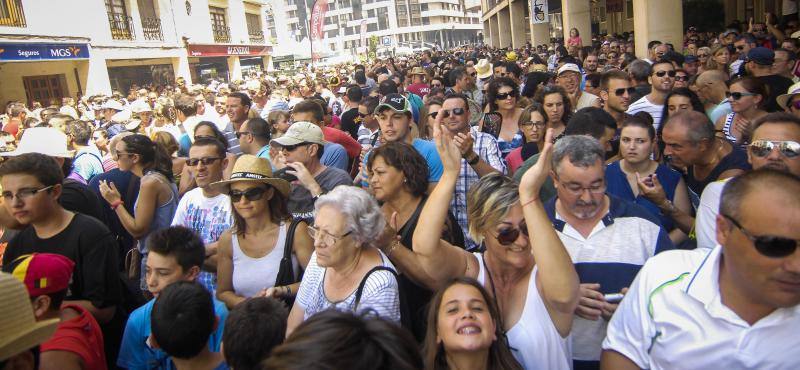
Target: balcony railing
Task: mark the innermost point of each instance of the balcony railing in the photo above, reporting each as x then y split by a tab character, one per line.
256	36
151	28
221	33
121	26
11	14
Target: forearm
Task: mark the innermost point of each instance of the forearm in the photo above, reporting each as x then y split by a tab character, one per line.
409	264
434	215
129	222
683	220
482	168
230	298
210	263
560	284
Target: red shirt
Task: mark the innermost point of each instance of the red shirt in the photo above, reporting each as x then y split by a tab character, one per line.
342	138
82	336
421	89
12	127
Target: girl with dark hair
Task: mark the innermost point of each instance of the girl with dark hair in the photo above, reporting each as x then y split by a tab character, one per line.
532	123
678	100
532	82
399	181
747	97
462	305
557	107
502	96
158	196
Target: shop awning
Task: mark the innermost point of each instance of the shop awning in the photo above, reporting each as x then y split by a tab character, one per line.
228	50
17	52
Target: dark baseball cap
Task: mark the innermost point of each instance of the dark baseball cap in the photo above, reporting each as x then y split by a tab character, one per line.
689	59
761	55
395	102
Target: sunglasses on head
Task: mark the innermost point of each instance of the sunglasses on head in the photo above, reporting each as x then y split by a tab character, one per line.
737	95
762	148
665	73
251	194
506	95
510	235
767	245
621	91
455	112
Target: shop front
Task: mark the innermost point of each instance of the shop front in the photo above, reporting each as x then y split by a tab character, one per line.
226	62
42	72
137	73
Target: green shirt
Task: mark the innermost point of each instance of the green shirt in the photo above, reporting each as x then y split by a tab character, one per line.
548	190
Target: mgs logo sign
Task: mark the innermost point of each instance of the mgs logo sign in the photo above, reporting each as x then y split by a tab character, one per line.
21	52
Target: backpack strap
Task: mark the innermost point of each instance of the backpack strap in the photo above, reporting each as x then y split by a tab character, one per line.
286	271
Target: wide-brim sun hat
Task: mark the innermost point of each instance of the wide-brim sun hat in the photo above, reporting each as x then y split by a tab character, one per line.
783	99
483	69
43	140
19	330
249	168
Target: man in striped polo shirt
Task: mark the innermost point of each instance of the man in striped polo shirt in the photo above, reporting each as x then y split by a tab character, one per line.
609	239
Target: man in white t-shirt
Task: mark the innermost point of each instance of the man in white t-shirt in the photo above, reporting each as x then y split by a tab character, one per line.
662	79
206	209
736	306
775	145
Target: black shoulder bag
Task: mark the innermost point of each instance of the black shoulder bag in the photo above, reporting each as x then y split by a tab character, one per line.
286	275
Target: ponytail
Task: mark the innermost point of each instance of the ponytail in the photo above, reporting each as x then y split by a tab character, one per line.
154	156
162	161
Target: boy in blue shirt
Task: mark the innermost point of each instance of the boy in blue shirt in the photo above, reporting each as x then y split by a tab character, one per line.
176	254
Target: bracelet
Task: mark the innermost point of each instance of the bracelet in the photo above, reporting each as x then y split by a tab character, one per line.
529	202
116	204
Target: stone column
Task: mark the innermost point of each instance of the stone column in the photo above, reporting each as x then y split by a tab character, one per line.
540	34
504	22
180	66
517	15
657	20
576	14
234	68
494	40
96	72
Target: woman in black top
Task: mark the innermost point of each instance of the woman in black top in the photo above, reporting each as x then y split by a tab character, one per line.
398	179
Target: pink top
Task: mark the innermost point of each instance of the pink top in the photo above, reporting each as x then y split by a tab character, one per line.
514	160
575	41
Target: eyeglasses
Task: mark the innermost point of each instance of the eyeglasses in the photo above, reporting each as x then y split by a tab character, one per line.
455	112
577	190
324	237
665	73
362	115
762	148
506	95
510	235
682	78
536	125
737	95
767	245
621	91
191	162
252	194
24	194
796	104
240	133
702	55
98	137
436	85
291	148
122	154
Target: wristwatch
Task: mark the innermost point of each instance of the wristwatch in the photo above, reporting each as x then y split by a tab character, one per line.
474	160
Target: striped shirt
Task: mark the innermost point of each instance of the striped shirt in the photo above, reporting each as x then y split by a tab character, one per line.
644	105
611	256
233	142
381	292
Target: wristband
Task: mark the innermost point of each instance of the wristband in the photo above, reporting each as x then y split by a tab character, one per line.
116	204
474	160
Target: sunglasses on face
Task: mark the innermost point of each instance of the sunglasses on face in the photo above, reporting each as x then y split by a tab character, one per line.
510	235
291	148
795	104
702	55
740	47
191	162
682	78
251	195
506	95
436	85
240	133
737	95
455	112
362	115
762	148
767	245
473	74
665	73
621	91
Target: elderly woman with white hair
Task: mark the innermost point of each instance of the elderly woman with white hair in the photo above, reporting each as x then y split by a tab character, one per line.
346	271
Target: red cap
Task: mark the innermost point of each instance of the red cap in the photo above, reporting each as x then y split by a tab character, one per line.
43	273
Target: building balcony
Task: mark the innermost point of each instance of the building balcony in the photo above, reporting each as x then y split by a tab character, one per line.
121	26
222	34
12	14
151	28
441	13
256	36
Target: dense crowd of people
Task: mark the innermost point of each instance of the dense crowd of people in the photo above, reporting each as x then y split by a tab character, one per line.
549	207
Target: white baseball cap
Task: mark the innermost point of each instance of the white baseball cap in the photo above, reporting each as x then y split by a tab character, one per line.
43	140
569	67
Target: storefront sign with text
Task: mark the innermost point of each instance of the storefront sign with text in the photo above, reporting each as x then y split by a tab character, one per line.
228	50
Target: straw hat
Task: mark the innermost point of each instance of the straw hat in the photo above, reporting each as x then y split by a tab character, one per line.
19	330
483	68
784	99
254	169
417	71
44	140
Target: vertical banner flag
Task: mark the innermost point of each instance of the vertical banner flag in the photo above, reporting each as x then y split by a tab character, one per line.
317	22
364	34
539	12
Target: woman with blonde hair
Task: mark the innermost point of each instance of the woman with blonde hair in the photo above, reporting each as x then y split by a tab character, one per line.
719	59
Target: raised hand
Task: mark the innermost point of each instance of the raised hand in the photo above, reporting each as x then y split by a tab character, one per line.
448	150
534	178
109	191
651	188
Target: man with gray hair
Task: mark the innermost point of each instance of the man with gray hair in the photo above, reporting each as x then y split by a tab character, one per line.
608	239
639	70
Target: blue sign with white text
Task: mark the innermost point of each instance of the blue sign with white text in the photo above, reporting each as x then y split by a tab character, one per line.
20	52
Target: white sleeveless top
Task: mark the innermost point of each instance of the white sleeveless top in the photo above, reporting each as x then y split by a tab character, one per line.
251	275
534	340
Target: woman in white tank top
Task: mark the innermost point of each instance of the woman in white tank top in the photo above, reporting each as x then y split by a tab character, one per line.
250	252
531	278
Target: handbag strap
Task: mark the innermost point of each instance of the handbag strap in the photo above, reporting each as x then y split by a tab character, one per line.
361	285
286	260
